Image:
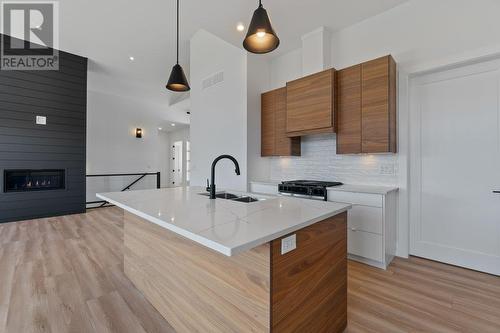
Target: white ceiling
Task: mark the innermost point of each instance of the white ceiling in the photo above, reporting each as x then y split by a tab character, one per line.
108	32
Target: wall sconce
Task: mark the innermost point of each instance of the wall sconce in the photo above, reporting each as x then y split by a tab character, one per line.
138	133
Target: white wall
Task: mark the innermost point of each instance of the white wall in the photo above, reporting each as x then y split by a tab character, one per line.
420	32
112	146
218	113
286	67
258	82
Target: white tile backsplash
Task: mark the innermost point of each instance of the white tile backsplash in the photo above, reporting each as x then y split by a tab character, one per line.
319	161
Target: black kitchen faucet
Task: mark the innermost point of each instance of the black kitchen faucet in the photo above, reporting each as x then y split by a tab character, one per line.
211	188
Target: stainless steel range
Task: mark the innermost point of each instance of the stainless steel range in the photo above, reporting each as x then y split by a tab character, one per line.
307	188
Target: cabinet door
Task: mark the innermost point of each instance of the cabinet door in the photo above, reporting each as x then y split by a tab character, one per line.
366	218
378	121
349	110
284	146
366	245
309	104
267	124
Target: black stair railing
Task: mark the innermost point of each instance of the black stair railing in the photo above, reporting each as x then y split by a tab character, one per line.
142	175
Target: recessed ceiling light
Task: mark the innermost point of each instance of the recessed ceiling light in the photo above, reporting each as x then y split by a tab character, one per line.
172	124
159	128
240	27
131	58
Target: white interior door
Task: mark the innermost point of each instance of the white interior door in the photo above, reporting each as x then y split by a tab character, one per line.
455	166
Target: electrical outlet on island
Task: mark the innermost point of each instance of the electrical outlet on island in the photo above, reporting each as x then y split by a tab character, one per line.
288	244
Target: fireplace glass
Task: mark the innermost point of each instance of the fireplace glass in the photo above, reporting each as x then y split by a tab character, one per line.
33	180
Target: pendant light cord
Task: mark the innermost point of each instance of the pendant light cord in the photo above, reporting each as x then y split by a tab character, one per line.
177	31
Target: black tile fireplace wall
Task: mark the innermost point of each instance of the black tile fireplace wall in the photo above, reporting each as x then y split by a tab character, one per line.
61	97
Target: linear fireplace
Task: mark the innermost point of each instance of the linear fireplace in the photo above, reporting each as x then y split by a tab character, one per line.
34	180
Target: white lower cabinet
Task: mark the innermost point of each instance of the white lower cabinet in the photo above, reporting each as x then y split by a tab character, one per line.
365	245
371	236
366	219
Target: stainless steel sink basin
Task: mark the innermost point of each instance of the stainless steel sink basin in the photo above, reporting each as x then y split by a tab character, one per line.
222	195
233	197
226	195
245	199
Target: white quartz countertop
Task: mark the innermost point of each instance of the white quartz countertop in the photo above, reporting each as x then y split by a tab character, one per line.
371	189
226	226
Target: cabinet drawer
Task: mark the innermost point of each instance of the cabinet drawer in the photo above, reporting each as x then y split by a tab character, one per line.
365	244
366	199
364	218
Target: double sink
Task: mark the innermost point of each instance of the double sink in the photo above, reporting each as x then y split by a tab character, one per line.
233	197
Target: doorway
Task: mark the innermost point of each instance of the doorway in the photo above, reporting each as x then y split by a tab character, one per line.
177	164
455	166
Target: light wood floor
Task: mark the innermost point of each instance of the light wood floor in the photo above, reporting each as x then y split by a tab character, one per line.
65	275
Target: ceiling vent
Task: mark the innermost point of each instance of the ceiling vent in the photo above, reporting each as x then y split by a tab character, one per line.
213	80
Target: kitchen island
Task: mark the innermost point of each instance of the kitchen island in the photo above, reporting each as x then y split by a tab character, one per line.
277	264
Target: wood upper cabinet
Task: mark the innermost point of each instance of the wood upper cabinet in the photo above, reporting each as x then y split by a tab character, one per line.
367	108
378	106
267	124
310	104
349	110
274	141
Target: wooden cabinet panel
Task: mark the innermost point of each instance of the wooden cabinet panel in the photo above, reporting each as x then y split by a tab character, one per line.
378	107
374	106
309	284
284	146
367	107
185	280
393	146
349	110
274	141
267	124
310	104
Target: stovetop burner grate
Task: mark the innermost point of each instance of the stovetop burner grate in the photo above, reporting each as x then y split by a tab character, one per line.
311	183
310	188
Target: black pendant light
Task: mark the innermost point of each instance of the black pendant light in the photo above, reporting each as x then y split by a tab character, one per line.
177	80
260	37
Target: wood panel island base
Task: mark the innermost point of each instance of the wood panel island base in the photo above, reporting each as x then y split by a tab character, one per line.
222	265
198	289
